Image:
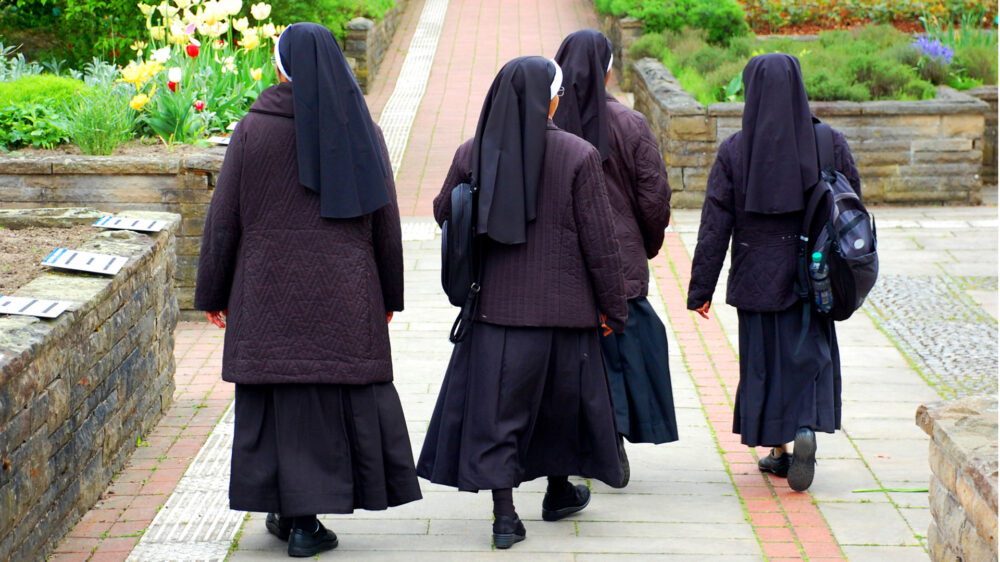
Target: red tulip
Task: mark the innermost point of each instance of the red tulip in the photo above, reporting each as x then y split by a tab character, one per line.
172	86
192	50
199	105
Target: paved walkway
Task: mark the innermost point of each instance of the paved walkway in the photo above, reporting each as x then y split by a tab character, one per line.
929	331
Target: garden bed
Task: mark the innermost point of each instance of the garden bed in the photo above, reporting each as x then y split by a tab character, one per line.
78	392
22	251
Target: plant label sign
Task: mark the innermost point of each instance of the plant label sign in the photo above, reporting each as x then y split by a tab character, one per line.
125	223
27	306
84	261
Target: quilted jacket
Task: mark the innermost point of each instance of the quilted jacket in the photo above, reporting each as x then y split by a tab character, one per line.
638	192
306	296
569	269
764	247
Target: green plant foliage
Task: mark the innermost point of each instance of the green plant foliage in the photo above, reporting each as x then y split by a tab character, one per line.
977	64
37	88
872	63
334	14
31	124
771	16
721	20
100	119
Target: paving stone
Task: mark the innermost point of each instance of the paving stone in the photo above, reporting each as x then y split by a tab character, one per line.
867	523
883	553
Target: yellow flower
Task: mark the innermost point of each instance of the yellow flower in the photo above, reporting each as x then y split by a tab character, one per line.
146	9
250	40
166	10
241	24
139	101
231	7
138	46
183	3
267	30
138	73
256	74
260	11
157	33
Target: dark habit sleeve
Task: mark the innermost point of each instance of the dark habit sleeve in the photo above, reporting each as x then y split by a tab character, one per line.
387	237
598	243
461	165
717	216
652	190
844	162
221	238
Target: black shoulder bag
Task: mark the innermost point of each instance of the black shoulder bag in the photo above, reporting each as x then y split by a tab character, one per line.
460	258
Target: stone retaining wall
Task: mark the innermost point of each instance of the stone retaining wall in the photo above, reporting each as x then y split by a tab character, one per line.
917	152
988	94
78	391
367	42
963	488
172	184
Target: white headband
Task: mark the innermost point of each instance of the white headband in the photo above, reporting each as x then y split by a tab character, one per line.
610	62
277	57
556	81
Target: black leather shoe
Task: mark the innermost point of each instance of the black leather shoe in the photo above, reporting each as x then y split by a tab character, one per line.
303	543
507	531
776	465
623	459
554	509
278	526
800	474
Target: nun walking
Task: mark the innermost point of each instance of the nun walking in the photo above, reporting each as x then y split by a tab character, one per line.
756	195
302	258
636	178
525	394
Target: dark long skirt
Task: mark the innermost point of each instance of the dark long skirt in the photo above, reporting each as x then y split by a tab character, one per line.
639	375
781	390
520	403
305	449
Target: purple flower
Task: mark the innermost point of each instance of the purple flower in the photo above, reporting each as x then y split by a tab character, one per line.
934	49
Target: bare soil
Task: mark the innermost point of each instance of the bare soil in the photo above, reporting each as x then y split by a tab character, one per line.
22	251
138	147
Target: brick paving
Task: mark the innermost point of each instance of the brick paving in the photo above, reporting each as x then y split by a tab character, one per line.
699	498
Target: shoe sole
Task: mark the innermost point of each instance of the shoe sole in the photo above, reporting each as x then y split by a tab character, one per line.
299	552
275	530
557	514
503	541
800	474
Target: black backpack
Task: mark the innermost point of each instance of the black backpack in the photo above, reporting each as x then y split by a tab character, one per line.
837	225
460	258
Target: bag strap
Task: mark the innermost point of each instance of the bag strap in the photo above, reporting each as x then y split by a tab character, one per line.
824	146
467	315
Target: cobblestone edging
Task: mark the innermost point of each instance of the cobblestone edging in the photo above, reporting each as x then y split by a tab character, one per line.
963	488
916	152
367	42
174	184
78	392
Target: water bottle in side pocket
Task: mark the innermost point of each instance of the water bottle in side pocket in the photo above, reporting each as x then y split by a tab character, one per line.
819	272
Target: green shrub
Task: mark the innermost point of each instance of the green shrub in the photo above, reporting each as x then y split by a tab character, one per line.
649	45
880	76
99	120
829	85
720	19
37	88
978	63
31	124
334	14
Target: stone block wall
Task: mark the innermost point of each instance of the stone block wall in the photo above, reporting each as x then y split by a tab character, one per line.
920	152
963	487
78	391
914	152
174	184
367	42
988	94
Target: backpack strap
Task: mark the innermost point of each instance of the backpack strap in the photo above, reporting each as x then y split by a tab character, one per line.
824	146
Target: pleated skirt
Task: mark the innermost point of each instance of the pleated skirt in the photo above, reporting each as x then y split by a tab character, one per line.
520	403
306	449
638	370
782	388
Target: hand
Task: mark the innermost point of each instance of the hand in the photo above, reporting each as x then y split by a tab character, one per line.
218	318
388	317
703	309
604	325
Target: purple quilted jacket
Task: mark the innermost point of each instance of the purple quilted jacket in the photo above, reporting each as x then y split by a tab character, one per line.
307	296
762	274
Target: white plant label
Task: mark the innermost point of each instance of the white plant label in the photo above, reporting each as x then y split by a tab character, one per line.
84	261
126	223
27	306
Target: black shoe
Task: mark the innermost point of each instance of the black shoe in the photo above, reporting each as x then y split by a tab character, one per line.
278	526
800	474
554	509
623	459
776	465
507	531
303	543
